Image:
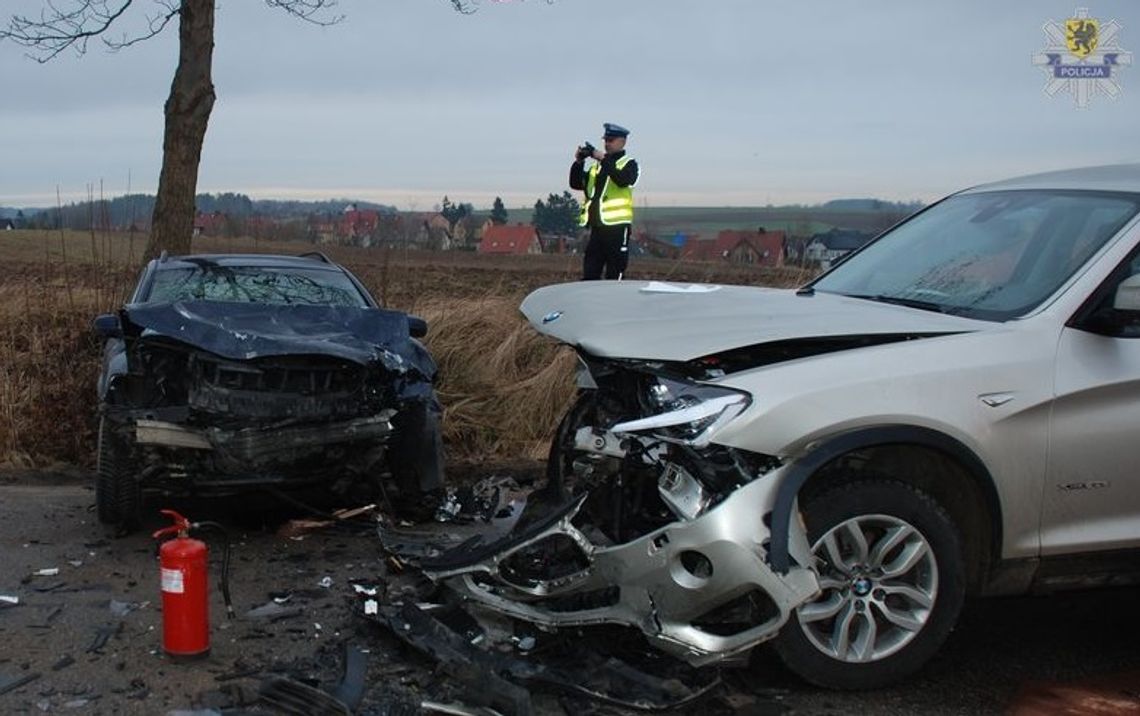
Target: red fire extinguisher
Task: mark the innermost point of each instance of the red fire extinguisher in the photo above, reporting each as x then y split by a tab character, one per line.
185	609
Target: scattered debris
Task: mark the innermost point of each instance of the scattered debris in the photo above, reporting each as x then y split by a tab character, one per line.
326	582
293	697
272	611
454	709
62	662
47	572
102	635
451	636
10	683
9	600
490	498
350	690
294	529
51	617
122	609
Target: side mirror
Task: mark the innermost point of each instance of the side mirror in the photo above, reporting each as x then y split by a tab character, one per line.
108	326
1128	294
417	327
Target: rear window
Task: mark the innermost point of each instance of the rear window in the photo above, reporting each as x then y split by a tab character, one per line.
208	281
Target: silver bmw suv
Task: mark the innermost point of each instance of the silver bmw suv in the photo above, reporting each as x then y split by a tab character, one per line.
952	410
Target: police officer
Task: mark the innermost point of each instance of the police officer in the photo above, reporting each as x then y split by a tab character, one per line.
608	209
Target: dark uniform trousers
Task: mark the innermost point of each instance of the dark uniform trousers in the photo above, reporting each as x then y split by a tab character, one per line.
607	252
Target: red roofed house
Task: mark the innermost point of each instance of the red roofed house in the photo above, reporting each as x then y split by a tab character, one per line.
759	248
212	224
508	239
356	225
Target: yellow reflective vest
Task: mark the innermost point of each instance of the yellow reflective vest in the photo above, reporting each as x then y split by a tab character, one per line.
617	201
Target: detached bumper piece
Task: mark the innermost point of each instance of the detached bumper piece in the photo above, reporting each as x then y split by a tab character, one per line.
700	590
494	677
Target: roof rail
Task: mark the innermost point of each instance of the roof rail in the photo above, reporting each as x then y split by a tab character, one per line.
315	255
163	257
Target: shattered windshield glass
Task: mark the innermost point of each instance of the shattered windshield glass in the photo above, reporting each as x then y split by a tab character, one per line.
992	255
209	281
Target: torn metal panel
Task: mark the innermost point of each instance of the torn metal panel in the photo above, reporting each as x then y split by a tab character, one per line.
245	331
663	583
645	522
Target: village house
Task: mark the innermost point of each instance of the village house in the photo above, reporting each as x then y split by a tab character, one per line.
751	248
828	247
663	248
358	226
510	239
211	224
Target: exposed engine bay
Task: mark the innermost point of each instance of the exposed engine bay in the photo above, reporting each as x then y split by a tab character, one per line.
213	396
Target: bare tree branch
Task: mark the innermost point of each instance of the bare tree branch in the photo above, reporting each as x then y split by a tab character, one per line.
58	29
308	10
468	7
156	24
70	24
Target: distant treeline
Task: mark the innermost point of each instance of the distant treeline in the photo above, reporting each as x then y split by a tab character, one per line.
135	210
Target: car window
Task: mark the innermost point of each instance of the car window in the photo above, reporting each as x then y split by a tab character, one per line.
209	281
993	255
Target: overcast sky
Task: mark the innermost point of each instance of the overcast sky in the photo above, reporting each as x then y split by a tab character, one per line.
730	102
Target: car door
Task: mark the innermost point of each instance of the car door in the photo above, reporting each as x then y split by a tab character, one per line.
1092	489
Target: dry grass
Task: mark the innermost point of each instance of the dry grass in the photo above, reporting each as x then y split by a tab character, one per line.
503	386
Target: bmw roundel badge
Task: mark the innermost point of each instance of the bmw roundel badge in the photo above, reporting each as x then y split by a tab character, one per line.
551	317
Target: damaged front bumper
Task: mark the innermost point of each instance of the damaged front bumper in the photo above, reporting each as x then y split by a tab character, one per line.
257	445
701	589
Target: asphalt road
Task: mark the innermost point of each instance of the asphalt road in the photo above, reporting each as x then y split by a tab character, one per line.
91	633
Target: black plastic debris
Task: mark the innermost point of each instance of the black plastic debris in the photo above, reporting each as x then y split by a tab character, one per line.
466	663
102	635
447	635
293	697
272	611
11	683
350	690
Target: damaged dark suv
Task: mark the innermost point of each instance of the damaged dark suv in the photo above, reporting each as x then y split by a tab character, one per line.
225	374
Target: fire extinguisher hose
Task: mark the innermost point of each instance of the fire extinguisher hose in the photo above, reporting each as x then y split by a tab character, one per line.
225	582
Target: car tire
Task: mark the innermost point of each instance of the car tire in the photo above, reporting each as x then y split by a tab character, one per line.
892	579
118	495
559	474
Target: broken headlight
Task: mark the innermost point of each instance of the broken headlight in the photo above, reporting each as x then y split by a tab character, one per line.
688	413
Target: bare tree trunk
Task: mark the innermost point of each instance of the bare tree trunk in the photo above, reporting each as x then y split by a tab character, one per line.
187	114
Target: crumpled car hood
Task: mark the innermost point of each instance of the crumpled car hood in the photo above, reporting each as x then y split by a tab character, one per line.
243	331
681	322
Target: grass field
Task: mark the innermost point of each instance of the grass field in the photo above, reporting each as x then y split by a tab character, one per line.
503	386
706	222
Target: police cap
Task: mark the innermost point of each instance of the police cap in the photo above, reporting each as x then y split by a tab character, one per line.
615	130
